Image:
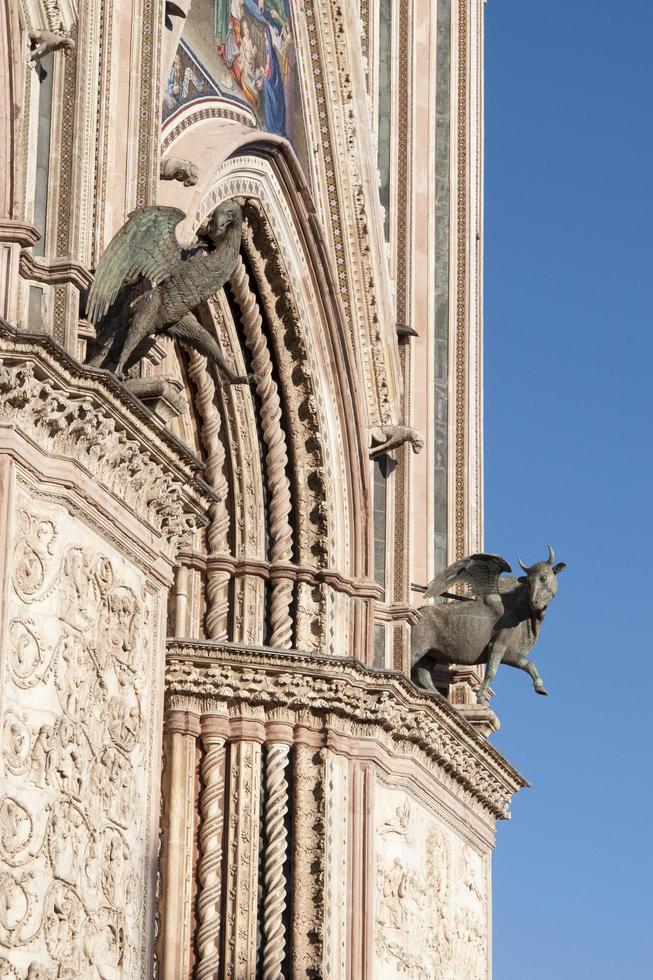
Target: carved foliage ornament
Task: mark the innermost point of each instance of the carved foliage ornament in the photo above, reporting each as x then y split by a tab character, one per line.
364	703
73	813
78	428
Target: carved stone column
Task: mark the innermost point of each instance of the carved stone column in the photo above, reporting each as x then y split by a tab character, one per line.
244	801
181	601
215	729
308	860
182	728
217	582
276	850
276	458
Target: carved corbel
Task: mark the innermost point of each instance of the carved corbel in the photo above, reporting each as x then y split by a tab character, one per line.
385	438
173	168
43	42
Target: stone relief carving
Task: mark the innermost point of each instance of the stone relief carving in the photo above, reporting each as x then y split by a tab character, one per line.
172	168
385	438
390	711
76	728
43	42
431	918
78	428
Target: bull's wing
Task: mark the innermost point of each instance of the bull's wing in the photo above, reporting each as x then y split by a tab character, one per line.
480	571
146	245
507	583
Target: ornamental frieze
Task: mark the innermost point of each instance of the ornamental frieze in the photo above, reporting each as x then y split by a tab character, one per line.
349	698
68	412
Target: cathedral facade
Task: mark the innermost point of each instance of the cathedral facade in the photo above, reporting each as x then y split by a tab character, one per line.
214	762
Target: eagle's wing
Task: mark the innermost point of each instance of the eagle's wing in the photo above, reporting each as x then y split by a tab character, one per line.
480	571
146	245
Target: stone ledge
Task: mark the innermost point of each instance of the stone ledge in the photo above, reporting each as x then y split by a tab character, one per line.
302	688
86	415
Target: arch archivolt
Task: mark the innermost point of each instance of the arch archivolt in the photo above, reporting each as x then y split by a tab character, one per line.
247	532
284	279
286	542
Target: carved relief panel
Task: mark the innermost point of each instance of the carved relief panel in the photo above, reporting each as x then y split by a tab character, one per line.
431	917
80	751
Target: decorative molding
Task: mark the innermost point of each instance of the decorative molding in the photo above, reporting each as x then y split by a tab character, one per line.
461	324
242	836
240	567
217	580
306	426
198	112
18	232
276	456
381	705
307	907
54	271
89	417
276	852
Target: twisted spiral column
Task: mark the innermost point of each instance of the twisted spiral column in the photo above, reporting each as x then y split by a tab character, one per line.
274	904
276	457
210	863
217	581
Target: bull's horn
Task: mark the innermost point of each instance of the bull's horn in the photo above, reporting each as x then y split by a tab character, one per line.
551	555
524	568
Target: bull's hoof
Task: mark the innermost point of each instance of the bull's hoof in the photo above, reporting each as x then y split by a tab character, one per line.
541	689
422	678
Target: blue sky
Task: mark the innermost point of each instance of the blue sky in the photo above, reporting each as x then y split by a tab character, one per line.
569	449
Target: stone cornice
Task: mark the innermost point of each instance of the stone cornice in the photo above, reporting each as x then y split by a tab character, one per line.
359	588
19	232
55	271
379	704
71	411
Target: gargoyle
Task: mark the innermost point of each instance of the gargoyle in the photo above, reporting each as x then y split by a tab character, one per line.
43	42
172	168
385	438
147	284
501	625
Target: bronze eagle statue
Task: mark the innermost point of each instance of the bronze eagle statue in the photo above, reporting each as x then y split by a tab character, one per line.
146	284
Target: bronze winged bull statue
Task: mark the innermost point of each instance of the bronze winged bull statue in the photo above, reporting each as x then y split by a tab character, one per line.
500	625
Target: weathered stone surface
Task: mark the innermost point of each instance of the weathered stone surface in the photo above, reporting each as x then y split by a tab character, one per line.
80	746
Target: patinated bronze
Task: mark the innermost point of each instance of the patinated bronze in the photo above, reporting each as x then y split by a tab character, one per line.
500	625
146	283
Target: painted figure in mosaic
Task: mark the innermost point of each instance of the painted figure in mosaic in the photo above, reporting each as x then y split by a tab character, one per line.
500	625
253	40
146	284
